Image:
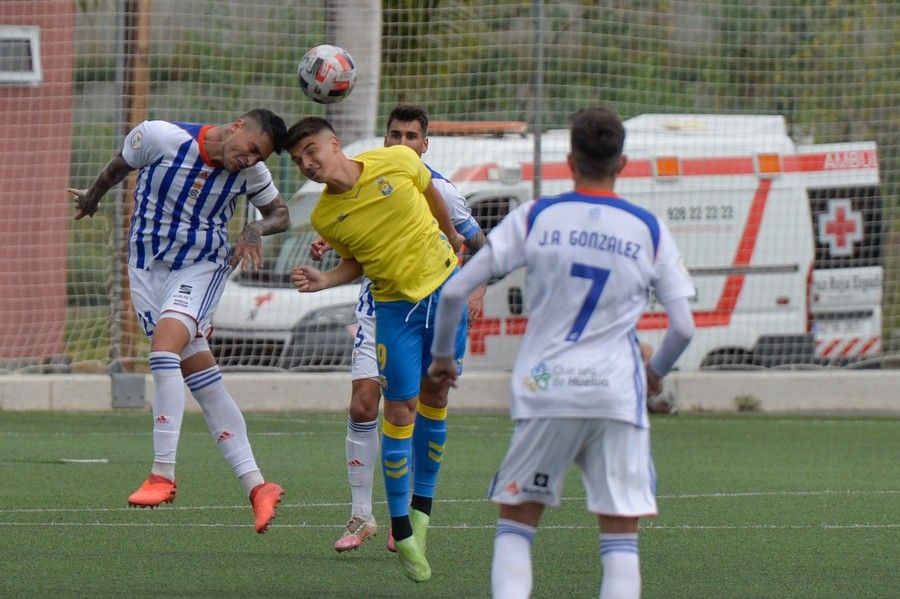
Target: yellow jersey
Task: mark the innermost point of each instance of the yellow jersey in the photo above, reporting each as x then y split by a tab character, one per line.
385	224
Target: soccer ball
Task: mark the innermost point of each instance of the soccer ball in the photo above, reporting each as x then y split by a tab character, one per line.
326	74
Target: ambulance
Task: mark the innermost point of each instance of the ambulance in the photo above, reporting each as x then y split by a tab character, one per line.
782	240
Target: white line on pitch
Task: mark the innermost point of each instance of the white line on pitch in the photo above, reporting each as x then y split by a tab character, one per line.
329	504
644	528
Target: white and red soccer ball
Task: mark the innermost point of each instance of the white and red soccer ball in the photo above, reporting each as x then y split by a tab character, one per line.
326	74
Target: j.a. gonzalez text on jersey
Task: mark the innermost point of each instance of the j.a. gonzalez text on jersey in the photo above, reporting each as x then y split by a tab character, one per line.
591	239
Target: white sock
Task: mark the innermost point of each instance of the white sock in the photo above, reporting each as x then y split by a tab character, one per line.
168	410
163	469
362	455
621	566
250	480
511	566
223	418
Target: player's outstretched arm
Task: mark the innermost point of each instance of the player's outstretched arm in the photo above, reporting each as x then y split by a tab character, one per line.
88	200
275	219
309	278
442	215
475	243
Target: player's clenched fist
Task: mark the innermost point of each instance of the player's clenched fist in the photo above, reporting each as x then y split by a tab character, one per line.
307	278
318	248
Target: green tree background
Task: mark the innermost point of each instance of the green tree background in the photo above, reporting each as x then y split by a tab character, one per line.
829	67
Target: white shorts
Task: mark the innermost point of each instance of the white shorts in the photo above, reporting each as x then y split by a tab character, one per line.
614	457
194	291
364	364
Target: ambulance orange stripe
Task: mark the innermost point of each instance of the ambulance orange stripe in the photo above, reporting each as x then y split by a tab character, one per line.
692	167
721	315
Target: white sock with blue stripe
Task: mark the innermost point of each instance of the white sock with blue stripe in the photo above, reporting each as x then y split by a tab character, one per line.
621	566
168	410
511	566
226	423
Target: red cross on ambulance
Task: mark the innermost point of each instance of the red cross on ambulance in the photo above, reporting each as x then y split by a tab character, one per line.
840	227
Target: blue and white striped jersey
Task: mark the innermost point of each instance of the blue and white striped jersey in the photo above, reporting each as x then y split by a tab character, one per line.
181	202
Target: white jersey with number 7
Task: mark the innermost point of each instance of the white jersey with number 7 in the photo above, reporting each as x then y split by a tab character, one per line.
591	260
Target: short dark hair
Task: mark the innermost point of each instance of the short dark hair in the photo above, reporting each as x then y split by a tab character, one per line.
271	124
406	113
597	141
305	127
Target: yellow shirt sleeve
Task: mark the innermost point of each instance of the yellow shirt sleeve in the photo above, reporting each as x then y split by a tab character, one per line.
419	173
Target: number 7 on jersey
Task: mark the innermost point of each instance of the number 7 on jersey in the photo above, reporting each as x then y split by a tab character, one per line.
598	277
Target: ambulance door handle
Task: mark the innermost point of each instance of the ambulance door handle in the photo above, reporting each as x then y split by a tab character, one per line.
515	300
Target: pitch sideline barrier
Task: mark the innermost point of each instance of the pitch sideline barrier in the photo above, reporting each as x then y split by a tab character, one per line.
770	391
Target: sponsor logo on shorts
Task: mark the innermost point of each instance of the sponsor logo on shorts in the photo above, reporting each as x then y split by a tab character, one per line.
539	485
183	296
512	488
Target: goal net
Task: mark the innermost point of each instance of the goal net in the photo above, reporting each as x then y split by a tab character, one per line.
764	134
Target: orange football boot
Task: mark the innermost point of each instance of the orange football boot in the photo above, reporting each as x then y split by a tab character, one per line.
265	498
154	491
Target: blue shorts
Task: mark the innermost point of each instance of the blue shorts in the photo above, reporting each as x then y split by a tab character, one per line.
403	334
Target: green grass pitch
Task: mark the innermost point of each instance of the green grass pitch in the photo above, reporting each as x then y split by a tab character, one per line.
750	506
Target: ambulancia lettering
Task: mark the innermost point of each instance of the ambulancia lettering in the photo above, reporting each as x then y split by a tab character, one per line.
851	159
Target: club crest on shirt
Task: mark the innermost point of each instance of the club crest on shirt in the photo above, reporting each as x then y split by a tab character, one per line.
137	140
385	186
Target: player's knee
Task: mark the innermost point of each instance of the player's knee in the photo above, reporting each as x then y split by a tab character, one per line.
432	394
400	413
364	400
173	332
195	346
526	513
618	524
363	412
